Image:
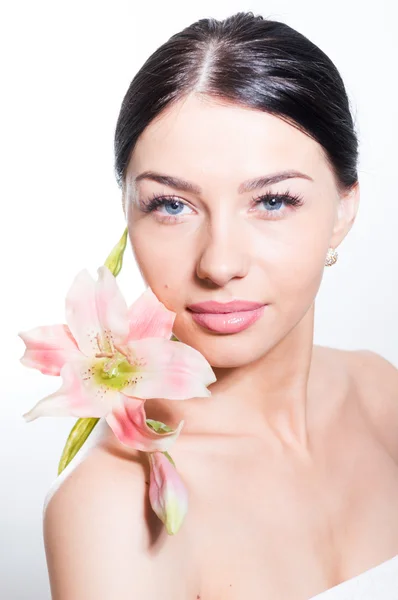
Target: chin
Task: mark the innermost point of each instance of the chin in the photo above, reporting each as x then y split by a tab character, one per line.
226	350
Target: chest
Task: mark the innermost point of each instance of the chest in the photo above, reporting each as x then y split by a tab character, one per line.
272	526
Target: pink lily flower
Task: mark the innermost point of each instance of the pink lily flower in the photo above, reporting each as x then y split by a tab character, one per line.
167	493
111	358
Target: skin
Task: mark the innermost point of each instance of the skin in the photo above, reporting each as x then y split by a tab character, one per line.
278	460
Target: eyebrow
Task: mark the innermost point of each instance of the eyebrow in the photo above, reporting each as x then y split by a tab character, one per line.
246	186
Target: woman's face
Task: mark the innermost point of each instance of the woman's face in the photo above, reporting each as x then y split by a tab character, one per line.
222	241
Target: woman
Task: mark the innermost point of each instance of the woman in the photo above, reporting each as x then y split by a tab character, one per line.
237	159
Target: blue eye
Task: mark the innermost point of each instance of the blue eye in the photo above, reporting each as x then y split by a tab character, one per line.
174	205
170	203
275	201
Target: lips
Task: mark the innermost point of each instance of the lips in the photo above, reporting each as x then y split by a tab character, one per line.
230	317
211	306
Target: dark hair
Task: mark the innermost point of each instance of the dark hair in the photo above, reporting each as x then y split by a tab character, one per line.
249	61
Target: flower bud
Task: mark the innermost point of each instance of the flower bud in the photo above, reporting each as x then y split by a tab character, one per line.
167	493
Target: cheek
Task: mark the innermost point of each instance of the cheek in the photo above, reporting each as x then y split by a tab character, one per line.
161	267
293	265
297	286
296	289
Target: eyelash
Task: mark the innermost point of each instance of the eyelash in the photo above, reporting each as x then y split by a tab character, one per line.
156	201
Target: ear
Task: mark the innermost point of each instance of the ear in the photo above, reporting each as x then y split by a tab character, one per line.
346	213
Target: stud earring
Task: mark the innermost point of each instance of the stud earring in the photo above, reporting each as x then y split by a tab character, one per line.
331	257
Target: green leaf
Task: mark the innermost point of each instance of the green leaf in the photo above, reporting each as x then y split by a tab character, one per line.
174	338
167	455
114	262
78	435
158	426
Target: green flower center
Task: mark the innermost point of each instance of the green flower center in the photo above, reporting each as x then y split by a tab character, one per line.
115	372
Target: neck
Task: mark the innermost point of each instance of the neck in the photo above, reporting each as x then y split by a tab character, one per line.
268	396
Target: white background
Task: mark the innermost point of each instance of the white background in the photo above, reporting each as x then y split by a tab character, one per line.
65	69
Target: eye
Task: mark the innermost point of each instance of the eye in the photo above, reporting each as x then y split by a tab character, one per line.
271	203
171	204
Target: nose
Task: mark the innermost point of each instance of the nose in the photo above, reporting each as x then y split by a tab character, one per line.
224	254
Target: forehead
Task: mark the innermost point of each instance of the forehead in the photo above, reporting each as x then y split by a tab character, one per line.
222	141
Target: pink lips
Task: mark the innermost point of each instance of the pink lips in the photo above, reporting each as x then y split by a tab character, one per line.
226	317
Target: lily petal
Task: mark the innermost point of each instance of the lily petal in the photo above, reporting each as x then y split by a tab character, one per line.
77	396
167	492
170	370
48	348
128	422
148	317
111	306
81	313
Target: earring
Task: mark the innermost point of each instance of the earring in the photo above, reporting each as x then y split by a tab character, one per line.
331	257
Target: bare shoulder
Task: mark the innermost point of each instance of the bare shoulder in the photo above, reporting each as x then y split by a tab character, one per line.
98	531
365	368
369	381
374	372
375	380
